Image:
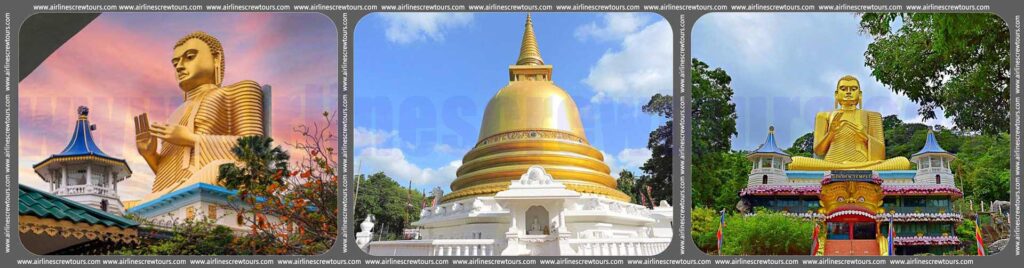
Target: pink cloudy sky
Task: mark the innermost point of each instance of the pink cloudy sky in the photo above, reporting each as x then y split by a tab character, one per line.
119	66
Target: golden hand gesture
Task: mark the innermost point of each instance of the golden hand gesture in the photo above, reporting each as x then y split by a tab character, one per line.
144	140
175	134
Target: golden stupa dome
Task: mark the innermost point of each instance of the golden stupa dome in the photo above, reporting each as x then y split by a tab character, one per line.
531	121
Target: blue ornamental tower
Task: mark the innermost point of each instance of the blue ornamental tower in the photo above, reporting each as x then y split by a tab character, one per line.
933	163
769	163
82	172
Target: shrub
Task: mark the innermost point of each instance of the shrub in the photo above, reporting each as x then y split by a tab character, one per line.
767	233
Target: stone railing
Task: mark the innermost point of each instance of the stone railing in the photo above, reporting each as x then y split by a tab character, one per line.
619	246
440	247
86	189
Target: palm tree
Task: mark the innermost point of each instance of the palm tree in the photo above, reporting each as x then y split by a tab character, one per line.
259	165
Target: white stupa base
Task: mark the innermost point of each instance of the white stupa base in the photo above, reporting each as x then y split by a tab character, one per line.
527	220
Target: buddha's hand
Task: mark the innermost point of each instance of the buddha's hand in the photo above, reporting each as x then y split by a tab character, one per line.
837	122
144	139
174	134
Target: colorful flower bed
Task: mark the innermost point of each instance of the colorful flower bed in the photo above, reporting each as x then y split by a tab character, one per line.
921	190
761	190
926	240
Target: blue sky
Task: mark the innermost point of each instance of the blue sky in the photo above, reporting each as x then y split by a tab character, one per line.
784	68
422	81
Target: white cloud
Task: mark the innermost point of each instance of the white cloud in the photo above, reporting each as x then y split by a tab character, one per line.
628	159
392	162
442	148
372	137
633	158
752	34
405	28
640	69
612	27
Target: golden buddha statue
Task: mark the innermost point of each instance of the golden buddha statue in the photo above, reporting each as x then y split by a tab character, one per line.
531	121
849	138
200	133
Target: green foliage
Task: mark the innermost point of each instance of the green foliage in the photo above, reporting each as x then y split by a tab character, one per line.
965	231
764	233
289	209
714	124
983	167
704	223
802	146
733	171
262	165
658	169
393	206
627	183
767	233
202	237
957	62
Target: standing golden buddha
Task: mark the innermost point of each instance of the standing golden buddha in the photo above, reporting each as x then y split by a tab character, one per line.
849	138
200	133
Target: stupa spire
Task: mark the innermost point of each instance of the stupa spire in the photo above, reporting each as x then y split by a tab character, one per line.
529	53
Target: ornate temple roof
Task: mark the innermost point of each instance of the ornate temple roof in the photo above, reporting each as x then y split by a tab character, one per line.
931	146
82	144
769	146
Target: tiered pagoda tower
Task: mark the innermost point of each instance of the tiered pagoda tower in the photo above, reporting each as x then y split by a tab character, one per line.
82	172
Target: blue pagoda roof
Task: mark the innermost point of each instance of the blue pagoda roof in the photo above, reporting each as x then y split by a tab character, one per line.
769	145
82	143
931	146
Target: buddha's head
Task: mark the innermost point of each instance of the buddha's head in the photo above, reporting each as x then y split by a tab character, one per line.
848	94
198	60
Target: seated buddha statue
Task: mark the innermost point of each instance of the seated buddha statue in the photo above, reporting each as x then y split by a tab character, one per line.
849	137
198	136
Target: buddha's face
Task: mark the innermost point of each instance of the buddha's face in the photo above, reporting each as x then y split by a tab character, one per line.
194	64
848	92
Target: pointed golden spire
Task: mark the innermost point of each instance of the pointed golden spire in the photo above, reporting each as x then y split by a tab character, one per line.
529	53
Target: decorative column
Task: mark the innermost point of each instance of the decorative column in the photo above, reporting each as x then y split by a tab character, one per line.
63	176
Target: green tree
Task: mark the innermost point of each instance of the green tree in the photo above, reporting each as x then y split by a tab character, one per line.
714	124
733	171
658	169
802	146
627	183
289	208
983	167
393	206
262	165
957	62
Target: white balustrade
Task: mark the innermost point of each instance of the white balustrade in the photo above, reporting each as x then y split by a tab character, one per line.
619	246
86	189
442	247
